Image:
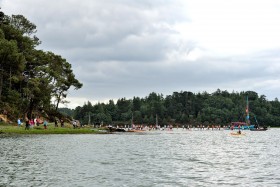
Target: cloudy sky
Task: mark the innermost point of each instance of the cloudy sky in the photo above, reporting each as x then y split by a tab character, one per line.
126	48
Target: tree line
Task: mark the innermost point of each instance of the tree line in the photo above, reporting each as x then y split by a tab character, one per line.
31	80
219	108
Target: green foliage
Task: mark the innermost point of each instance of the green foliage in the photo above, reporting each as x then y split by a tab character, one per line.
29	78
220	107
66	111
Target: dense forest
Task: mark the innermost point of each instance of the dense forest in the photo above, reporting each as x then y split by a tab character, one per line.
219	108
32	81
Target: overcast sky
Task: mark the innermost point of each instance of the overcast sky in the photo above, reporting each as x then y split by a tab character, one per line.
126	48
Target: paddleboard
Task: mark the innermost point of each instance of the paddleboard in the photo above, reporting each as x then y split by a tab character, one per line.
237	134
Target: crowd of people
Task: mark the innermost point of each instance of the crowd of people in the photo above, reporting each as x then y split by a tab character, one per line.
31	123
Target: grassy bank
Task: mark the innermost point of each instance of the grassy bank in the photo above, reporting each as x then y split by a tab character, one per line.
51	129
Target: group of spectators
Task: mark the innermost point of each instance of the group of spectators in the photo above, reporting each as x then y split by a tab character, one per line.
30	123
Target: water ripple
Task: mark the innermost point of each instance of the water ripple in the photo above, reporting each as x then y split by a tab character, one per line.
175	158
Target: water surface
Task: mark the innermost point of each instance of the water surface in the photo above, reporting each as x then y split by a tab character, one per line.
159	158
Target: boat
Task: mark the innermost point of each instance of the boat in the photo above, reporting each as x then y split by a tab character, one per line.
259	129
246	125
240	125
116	129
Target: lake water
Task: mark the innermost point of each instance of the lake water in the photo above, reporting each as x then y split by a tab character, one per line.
161	158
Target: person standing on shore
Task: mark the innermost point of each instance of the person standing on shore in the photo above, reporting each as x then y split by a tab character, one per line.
62	123
19	122
45	124
31	122
55	123
35	121
26	123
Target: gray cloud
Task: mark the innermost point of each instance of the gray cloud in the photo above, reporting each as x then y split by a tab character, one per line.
126	48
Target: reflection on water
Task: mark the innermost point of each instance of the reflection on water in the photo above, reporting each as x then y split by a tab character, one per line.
162	158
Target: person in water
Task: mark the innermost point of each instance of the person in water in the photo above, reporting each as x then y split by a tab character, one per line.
239	131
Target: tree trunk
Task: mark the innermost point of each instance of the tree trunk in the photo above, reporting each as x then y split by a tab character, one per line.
30	109
58	101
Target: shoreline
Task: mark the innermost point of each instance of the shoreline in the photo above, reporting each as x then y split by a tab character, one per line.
13	129
51	129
